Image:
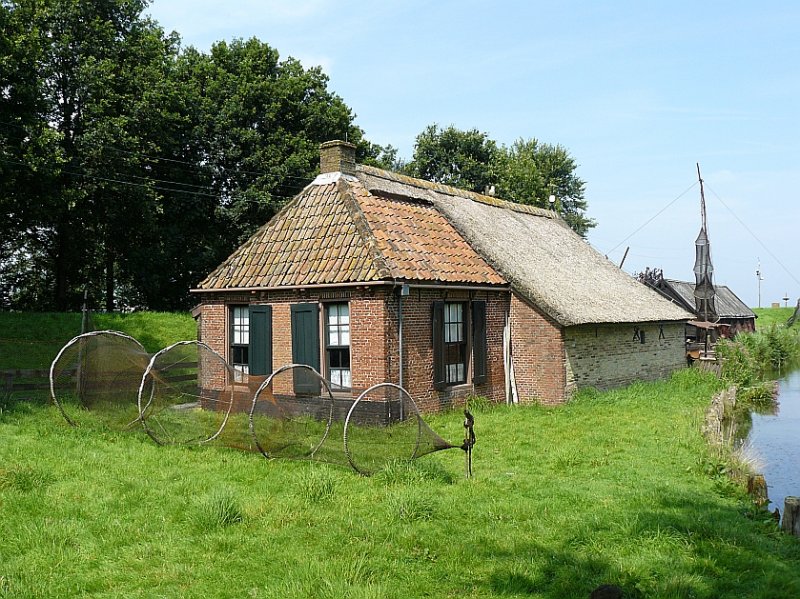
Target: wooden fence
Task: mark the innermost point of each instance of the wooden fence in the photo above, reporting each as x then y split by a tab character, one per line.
13	381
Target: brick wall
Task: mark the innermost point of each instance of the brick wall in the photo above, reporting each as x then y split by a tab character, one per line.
607	356
374	340
550	362
418	347
537	348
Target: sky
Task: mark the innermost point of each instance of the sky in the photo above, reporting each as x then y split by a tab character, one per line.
639	92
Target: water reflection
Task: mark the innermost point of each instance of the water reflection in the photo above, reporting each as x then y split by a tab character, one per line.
775	436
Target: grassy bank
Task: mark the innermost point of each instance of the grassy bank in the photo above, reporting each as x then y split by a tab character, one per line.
612	488
31	340
770	316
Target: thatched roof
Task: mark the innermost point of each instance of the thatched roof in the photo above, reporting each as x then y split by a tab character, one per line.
544	260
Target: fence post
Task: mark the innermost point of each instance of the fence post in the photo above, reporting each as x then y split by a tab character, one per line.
791	516
9	382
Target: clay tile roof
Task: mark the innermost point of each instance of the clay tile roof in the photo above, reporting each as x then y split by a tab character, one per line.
313	240
338	232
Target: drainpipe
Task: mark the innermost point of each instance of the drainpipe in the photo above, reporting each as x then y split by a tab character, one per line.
404	291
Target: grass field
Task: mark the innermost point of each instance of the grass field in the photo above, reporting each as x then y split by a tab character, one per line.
614	487
31	340
769	316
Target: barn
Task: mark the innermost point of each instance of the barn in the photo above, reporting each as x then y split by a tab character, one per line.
371	276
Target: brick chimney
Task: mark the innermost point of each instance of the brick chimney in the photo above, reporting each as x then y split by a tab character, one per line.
337	156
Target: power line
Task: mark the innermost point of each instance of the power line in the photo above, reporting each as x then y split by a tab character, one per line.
194	165
754	236
655	216
150	187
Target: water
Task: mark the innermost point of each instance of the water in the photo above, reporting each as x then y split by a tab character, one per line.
776	439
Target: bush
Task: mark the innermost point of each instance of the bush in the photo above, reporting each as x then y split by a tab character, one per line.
755	357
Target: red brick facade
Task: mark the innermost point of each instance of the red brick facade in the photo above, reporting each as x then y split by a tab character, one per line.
537	347
550	361
374	337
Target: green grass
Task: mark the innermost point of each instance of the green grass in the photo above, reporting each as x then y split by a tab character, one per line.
770	316
614	487
30	340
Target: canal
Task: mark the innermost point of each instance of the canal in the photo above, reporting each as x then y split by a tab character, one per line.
775	437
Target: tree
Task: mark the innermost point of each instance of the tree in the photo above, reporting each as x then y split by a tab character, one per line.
450	156
527	172
132	168
90	64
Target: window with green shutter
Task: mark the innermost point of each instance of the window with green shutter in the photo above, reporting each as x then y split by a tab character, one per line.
305	347
251	339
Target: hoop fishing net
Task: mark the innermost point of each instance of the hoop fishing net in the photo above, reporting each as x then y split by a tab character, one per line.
384	425
99	372
292	416
185	394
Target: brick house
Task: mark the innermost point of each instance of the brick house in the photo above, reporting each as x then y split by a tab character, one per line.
370	276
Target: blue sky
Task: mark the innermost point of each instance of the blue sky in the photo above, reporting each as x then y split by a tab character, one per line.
638	92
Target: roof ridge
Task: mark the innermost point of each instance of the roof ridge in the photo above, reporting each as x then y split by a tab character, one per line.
362	227
455	191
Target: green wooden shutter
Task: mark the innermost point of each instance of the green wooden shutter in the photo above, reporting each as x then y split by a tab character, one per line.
260	354
439	381
305	347
479	345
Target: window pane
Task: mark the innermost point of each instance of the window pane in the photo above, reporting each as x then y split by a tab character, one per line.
338	324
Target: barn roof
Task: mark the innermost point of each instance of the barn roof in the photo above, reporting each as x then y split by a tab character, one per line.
727	303
543	259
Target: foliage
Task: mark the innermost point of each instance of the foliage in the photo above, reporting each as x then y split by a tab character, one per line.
528	171
616	487
130	167
453	157
751	360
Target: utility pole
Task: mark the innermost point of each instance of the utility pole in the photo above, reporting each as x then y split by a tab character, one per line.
759	278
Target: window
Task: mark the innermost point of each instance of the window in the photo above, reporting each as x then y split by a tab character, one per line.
240	338
337	345
251	339
449	344
450	348
455	344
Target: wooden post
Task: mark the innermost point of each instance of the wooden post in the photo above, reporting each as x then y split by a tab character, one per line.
757	488
791	516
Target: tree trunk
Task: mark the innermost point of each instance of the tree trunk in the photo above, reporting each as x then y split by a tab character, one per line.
109	279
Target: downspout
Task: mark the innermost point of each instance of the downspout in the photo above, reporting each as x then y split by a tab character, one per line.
404	290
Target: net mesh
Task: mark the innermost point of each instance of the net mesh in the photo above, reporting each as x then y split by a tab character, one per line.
99	372
293	415
384	426
188	393
179	399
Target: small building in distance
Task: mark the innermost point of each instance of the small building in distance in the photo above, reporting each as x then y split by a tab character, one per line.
732	316
371	276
